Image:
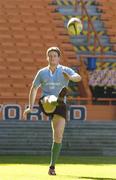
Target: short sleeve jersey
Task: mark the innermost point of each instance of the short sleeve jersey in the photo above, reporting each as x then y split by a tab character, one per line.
52	83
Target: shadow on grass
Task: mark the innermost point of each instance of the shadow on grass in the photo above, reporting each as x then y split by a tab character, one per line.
68	176
85	177
29	159
95	178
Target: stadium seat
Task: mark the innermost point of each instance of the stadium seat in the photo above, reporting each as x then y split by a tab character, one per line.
25	35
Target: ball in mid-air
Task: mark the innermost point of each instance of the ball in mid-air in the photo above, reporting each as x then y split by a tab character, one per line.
74	26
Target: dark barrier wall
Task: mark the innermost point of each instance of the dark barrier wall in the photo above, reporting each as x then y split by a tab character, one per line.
80	138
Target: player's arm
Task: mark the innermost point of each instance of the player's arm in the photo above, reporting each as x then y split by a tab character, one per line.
33	90
32	96
75	77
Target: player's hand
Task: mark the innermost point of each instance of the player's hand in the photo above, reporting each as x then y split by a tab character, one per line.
66	75
28	110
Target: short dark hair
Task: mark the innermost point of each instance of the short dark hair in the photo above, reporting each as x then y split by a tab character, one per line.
56	49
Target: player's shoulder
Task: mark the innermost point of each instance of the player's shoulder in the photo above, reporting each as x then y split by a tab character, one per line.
62	66
42	70
65	67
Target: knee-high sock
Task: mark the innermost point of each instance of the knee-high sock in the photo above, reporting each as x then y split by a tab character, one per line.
55	151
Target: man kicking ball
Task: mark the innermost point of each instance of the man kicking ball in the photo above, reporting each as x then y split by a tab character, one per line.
53	80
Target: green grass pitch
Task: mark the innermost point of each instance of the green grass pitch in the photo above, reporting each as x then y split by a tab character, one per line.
67	168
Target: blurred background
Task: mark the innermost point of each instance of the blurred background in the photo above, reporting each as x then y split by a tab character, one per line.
27	29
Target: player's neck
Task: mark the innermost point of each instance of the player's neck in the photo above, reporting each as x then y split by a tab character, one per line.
53	68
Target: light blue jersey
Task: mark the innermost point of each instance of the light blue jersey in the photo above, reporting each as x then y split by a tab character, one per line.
52	83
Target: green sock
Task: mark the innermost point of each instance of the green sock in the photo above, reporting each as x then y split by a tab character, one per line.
55	151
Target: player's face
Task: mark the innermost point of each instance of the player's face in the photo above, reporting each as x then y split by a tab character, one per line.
53	58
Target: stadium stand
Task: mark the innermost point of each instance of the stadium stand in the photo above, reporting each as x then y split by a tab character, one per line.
27	29
103	80
93	39
96	37
23	49
109	18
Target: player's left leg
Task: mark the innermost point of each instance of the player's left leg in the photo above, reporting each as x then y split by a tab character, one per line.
58	125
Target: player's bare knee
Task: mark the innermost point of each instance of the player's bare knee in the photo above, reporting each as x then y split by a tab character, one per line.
58	138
